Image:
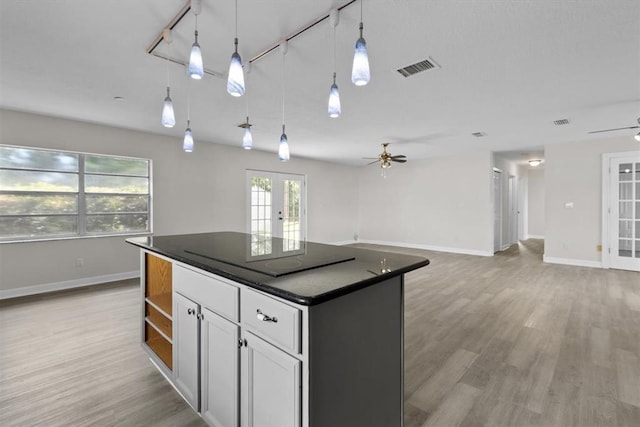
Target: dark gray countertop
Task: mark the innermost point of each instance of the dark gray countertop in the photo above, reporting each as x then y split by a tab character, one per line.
306	273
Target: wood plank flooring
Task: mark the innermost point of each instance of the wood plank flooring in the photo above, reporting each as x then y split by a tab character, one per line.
489	341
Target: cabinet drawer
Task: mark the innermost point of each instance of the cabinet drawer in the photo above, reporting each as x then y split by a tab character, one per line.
275	321
218	296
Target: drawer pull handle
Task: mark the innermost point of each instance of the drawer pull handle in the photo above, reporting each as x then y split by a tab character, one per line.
191	311
265	317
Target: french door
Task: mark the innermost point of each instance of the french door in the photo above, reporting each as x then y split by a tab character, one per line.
276	208
623	211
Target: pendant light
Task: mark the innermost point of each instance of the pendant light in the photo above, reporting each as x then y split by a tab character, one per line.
637	137
360	74
334	109
283	148
235	80
196	67
247	138
168	115
187	143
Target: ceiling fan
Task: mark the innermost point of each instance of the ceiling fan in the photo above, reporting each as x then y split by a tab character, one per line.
628	127
385	158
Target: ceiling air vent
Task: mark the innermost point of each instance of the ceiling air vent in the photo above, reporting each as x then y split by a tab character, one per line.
479	134
561	122
418	67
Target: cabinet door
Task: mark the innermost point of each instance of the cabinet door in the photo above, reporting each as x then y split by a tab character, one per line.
271	385
186	337
219	370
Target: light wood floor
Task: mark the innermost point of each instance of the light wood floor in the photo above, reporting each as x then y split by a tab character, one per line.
505	340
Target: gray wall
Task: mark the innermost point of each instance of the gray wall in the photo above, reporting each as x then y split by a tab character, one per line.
439	203
573	173
535	211
197	192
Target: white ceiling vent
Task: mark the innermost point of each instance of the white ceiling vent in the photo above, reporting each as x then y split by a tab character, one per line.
561	122
418	67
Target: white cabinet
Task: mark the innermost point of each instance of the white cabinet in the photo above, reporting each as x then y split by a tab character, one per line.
219	370
272	386
186	337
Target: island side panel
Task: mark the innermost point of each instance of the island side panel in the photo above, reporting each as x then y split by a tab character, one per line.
356	358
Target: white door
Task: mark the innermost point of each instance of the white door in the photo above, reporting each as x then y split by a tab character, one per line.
513	210
271	386
185	347
497	211
624	217
276	208
219	370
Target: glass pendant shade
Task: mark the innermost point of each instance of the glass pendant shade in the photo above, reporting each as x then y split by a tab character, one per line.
196	68
283	149
334	102
168	115
187	145
637	137
235	81
247	139
360	74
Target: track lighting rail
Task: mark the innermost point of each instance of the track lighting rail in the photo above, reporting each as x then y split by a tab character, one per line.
151	50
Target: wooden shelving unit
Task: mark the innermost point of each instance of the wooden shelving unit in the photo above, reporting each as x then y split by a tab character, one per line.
158	308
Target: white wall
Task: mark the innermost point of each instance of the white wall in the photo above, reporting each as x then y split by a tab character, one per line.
573	173
438	203
198	192
536	197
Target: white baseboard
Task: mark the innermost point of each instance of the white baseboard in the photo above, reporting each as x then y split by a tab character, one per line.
428	247
534	236
569	261
67	284
344	242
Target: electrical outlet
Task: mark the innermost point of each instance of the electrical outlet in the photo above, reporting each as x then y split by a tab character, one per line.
79	262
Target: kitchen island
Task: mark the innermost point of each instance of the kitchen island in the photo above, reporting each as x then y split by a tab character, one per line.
258	331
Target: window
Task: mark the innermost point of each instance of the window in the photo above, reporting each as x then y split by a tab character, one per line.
47	194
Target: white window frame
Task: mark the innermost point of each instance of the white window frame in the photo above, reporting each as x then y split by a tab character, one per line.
81	214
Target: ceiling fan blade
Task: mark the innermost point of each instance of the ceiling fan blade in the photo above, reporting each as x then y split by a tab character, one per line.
371	158
375	161
610	130
399	156
399	160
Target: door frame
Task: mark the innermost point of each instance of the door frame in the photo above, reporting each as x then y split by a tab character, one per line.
606	202
280	175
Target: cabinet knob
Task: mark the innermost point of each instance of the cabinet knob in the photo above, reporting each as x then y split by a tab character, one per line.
265	317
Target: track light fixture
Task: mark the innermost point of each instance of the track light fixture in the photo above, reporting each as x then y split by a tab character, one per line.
360	74
283	148
168	114
235	80
196	67
334	109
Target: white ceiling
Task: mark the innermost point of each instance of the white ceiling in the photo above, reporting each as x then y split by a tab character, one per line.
508	69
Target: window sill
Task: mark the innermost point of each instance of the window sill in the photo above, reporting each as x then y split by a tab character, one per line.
93	236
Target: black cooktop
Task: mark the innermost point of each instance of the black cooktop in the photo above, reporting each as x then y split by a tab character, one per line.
267	255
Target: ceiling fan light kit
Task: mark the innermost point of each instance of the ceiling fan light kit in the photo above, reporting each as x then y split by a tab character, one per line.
535	162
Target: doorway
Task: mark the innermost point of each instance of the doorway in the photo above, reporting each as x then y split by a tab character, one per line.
497	210
621	211
276	205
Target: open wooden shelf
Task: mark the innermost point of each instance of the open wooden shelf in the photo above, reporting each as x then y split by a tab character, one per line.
160	346
158	325
159	287
163	302
159	320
